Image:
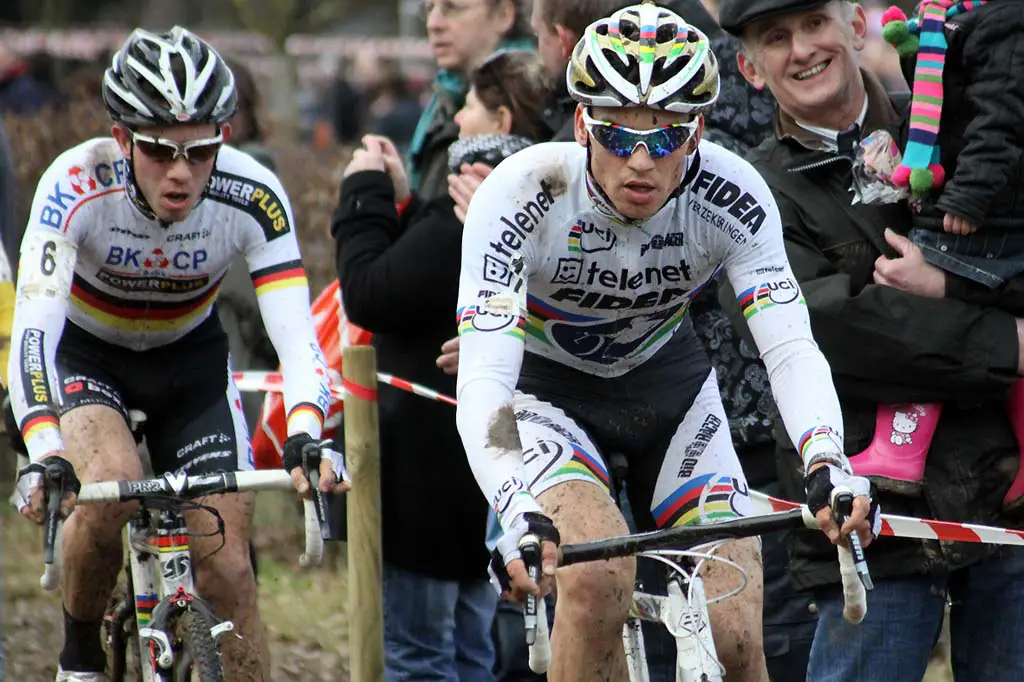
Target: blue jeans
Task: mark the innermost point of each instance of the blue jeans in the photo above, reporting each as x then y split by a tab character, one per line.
896	638
983	257
437	629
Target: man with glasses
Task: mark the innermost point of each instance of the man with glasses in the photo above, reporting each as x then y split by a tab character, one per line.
587	256
127	243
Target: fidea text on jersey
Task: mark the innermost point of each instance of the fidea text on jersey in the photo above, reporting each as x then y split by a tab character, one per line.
737	202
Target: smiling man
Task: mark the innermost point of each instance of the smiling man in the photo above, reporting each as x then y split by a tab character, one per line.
881	316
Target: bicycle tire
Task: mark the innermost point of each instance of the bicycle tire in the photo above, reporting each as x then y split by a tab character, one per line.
199	657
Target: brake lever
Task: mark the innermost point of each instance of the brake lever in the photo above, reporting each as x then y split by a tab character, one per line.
311	468
842	509
529	548
53	493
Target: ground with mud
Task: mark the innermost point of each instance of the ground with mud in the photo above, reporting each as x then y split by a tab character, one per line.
303	610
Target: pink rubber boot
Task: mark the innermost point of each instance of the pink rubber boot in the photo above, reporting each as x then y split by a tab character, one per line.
1015	495
896	457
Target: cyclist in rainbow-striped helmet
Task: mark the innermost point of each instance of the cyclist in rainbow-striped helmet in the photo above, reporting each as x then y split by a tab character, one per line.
579	264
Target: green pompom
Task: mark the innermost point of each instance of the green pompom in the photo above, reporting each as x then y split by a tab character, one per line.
921	181
895	32
908	47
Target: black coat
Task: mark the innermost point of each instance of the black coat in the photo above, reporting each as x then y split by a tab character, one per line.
981	134
399	280
886	346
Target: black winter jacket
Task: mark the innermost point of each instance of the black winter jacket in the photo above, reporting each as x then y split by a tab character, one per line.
981	133
399	280
889	346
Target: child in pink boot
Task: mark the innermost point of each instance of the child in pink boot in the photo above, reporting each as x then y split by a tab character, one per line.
964	164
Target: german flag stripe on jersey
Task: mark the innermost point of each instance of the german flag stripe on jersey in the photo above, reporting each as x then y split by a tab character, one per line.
84	294
307	408
39	421
281	276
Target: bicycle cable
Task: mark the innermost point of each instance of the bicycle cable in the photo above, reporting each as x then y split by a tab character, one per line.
167	502
670	558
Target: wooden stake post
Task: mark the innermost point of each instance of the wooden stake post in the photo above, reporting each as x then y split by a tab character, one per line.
362	454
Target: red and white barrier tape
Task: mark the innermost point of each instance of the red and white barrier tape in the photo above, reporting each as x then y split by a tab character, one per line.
273	382
892	524
910	527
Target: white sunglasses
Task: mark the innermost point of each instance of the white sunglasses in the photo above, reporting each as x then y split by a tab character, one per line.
168	151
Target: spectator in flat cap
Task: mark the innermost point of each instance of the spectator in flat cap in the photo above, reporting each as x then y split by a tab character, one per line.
890	339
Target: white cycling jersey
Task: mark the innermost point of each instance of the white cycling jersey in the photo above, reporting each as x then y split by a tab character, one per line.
548	266
91	257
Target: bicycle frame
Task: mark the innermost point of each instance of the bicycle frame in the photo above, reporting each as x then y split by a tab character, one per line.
160	564
159	559
687	620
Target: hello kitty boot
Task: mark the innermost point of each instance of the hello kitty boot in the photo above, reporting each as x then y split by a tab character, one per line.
896	456
1014	497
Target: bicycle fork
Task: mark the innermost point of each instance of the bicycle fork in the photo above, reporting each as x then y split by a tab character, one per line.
686	619
163	558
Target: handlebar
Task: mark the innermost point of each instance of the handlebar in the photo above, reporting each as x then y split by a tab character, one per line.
852	565
178	487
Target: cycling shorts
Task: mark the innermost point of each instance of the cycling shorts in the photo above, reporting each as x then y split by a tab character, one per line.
665	418
194	421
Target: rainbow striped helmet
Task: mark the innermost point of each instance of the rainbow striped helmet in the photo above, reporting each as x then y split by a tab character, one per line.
644	55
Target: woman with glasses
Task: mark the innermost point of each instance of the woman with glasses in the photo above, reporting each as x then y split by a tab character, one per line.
462	34
398	262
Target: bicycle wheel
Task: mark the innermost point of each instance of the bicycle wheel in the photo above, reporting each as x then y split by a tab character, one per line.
198	659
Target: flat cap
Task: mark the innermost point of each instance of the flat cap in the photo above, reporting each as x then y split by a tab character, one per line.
733	15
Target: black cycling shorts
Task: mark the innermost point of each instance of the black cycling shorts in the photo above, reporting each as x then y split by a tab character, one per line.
193	413
664	417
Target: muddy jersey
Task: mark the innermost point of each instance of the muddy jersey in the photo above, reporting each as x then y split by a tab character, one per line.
549	267
91	257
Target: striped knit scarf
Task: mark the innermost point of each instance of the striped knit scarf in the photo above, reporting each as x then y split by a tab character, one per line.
924	34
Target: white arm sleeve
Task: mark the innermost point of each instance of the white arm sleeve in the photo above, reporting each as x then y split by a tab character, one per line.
774	308
45	272
496	262
282	293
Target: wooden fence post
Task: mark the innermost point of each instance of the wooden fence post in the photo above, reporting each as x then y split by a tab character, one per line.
362	454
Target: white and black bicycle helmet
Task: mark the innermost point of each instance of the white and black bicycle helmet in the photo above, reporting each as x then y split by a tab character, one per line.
644	55
172	78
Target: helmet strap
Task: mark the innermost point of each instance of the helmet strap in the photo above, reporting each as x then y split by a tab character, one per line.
132	188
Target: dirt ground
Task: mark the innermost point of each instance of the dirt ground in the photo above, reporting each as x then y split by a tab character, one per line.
303	609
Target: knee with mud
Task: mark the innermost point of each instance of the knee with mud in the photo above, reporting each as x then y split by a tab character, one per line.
594	597
226	580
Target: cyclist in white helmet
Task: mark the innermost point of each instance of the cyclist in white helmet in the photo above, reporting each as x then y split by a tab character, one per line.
127	243
586	256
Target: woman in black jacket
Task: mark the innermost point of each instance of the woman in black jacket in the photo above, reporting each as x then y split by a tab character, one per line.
398	262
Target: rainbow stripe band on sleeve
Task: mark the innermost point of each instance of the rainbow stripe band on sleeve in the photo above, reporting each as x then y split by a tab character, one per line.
281	276
38	423
817	435
492	323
